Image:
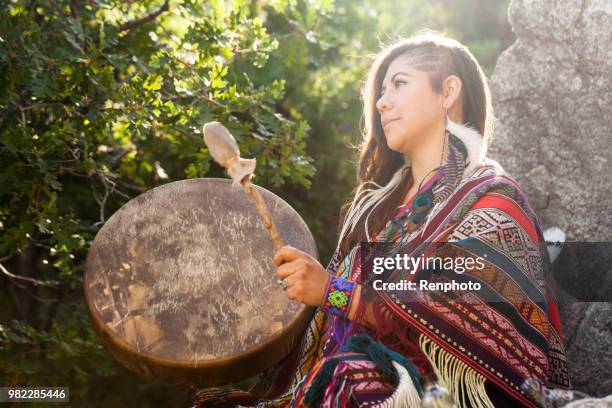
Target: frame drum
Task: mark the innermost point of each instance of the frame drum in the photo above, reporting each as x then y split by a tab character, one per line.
181	287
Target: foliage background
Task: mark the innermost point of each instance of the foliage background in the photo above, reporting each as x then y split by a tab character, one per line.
101	100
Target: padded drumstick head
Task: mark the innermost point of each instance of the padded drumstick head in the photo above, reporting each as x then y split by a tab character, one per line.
224	149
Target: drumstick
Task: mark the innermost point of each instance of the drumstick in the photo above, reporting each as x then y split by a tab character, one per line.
224	150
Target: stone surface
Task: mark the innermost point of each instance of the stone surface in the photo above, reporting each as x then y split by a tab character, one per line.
591	403
552	95
552	92
587	328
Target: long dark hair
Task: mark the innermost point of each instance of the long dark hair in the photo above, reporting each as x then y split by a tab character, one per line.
385	169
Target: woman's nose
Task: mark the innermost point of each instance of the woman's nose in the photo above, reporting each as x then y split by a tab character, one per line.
382	104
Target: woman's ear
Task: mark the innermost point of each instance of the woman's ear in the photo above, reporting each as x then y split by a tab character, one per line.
451	89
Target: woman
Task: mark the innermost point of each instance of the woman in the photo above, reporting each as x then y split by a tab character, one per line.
427	187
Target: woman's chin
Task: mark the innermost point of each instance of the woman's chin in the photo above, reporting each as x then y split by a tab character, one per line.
394	143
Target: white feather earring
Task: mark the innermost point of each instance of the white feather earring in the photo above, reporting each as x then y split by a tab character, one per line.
473	141
445	142
476	152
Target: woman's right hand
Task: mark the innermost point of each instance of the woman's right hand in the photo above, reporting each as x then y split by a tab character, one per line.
307	279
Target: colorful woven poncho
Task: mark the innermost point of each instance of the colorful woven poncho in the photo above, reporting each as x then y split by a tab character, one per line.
482	345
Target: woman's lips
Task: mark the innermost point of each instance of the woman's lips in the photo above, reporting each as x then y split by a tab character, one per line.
387	123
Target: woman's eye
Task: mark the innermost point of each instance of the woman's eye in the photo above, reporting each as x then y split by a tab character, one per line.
397	82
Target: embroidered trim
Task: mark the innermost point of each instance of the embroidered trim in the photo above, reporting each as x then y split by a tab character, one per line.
338	296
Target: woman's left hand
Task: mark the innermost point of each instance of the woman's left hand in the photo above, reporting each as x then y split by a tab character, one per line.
307	279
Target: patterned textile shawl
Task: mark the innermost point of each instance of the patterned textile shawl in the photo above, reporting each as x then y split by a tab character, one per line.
503	334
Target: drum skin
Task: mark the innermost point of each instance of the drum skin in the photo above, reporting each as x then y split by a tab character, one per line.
181	287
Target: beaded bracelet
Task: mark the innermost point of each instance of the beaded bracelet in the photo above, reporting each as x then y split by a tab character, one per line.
338	296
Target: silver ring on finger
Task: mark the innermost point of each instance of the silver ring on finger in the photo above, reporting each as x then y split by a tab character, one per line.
283	283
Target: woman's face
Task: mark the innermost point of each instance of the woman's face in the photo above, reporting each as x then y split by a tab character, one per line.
410	111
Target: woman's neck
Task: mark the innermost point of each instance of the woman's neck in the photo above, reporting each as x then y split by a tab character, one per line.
414	186
423	164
